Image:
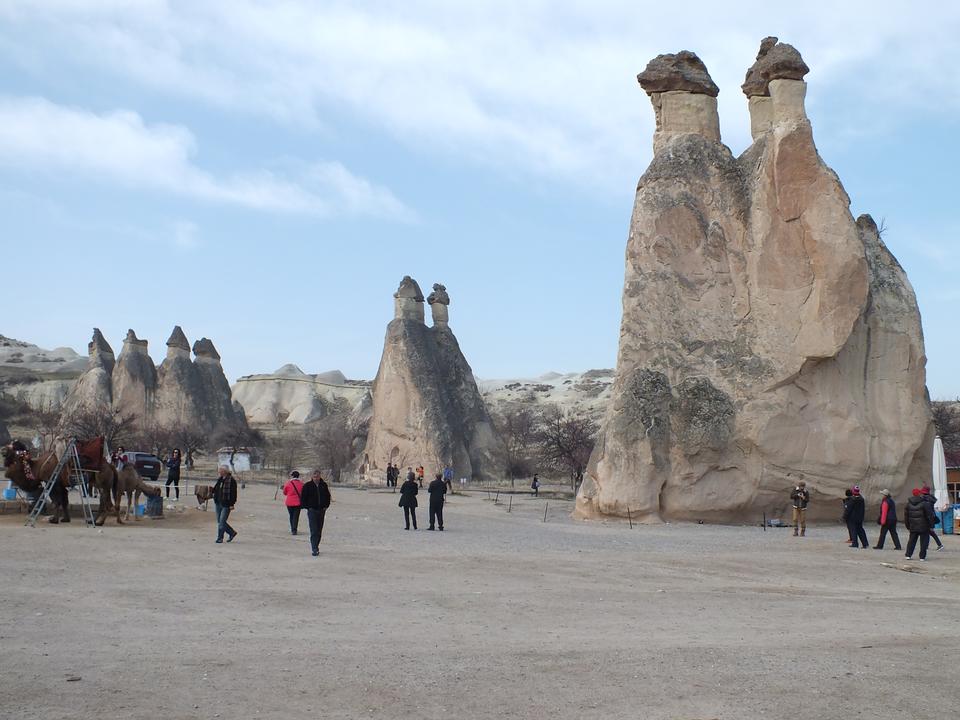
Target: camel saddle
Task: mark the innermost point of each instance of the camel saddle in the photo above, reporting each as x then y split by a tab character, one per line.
90	453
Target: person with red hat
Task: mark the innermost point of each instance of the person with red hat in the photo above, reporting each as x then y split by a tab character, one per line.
919	521
857	511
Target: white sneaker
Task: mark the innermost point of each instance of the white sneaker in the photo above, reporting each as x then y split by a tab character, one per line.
940	548
923	559
907	557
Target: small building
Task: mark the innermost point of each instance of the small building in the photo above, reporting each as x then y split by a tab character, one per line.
240	459
953	476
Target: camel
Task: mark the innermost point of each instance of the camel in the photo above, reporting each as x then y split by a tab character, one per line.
130	482
31	474
100	474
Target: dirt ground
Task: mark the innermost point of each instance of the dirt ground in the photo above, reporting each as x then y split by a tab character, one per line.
500	616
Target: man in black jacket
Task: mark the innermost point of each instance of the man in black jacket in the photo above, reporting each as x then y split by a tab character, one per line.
437	490
887	521
856	513
408	500
919	520
316	500
224	498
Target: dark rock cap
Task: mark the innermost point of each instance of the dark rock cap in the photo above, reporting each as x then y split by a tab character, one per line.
178	339
683	71
98	343
133	339
409	289
439	295
204	348
775	61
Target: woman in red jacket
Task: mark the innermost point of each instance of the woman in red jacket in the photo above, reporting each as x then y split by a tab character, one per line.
292	492
887	521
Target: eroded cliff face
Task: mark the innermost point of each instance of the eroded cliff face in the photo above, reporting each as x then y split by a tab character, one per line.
134	380
93	390
766	336
426	406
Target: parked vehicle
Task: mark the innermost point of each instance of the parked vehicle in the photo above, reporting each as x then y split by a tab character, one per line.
147	464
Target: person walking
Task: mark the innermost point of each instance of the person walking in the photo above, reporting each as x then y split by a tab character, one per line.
919	520
801	498
848	496
887	521
408	500
535	485
437	490
448	477
931	499
858	509
224	499
292	494
173	473
389	474
420	474
315	499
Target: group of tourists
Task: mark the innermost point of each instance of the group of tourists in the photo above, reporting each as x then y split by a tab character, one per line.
437	489
919	518
312	496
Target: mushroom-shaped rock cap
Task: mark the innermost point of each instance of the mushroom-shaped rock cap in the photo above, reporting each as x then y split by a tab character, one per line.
204	348
178	339
133	339
98	343
683	71
409	289
439	295
775	61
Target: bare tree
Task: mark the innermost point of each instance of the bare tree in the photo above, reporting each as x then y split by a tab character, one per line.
517	427
44	419
946	417
565	441
235	436
191	439
334	440
90	422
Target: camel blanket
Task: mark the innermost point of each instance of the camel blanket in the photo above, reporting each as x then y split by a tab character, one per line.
91	453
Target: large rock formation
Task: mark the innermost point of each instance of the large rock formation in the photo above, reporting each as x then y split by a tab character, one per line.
93	390
766	336
180	391
426	406
38	377
292	396
218	407
134	380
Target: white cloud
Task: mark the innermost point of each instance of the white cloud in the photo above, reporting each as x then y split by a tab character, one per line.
541	87
119	146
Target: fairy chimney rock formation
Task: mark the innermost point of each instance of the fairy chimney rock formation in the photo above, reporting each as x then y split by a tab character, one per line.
205	352
179	397
683	95
439	301
408	300
766	336
218	409
426	406
177	344
94	388
134	379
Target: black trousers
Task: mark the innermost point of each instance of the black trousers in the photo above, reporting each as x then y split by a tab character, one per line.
175	481
410	513
294	518
924	543
858	533
936	538
315	518
436	514
892	529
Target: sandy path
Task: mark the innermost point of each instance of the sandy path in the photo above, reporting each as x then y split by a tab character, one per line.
500	616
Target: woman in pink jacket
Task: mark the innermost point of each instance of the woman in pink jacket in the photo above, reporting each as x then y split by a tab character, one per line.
292	490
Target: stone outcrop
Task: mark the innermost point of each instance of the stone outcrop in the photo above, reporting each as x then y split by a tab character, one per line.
291	396
426	406
766	336
93	390
180	391
40	378
214	386
134	379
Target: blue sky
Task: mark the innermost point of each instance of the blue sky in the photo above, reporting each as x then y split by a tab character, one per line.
263	174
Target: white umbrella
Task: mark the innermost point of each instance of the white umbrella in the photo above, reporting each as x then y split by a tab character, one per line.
940	476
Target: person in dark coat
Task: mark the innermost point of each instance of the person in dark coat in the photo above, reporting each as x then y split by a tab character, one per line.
855	516
887	521
437	490
224	498
848	497
173	473
919	519
408	500
929	497
315	499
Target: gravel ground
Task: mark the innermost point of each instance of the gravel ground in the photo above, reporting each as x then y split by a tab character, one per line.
500	616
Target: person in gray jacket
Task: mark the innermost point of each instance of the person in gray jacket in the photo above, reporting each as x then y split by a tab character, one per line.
919	520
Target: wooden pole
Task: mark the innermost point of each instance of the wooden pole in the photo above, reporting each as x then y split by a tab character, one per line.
496	500
629	519
510	506
545	508
764	520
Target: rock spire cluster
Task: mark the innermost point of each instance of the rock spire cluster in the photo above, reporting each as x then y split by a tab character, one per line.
766	335
427	409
